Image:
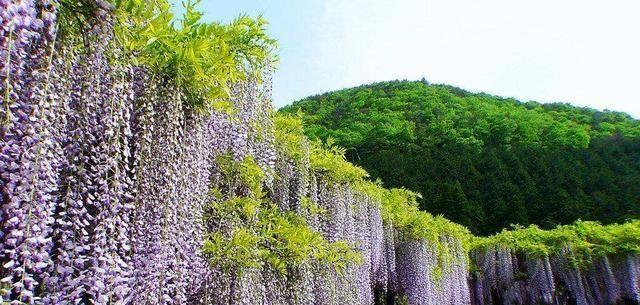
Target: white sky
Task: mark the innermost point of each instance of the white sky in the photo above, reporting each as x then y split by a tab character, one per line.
583	52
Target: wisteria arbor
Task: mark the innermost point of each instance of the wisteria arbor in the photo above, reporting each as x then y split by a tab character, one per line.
584	264
140	163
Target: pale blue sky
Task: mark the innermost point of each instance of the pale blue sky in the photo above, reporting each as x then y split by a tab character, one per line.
579	51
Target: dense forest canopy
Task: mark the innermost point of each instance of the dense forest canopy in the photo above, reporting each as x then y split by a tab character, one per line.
484	161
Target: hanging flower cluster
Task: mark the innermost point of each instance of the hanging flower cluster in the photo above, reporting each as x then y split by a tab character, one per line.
500	271
585	263
338	202
426	277
28	156
504	277
105	167
91	231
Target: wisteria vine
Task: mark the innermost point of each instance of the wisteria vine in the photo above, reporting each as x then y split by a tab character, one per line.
130	176
584	263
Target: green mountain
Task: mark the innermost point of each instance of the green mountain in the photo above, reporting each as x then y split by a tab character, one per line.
485	161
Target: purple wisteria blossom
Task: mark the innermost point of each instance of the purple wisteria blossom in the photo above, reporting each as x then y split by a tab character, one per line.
505	277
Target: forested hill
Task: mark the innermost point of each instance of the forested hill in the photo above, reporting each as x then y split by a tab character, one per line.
482	160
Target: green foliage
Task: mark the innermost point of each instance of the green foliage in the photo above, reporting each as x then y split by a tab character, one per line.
263	235
259	232
330	161
483	161
326	159
203	59
610	239
311	208
409	112
246	173
400	206
289	137
585	239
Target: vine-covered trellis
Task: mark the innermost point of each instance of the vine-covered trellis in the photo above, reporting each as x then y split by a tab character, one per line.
141	163
584	263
